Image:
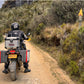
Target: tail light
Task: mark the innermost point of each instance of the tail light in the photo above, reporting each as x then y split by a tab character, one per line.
12	51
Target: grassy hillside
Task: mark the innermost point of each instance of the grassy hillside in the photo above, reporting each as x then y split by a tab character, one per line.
47	13
53	25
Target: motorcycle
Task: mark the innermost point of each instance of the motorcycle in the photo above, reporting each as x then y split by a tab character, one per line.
15	55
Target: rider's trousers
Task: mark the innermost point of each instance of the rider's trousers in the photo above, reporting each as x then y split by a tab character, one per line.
25	65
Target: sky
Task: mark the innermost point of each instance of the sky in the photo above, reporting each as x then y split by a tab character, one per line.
1	3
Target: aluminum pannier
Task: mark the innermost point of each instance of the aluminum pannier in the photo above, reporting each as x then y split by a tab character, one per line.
25	55
3	57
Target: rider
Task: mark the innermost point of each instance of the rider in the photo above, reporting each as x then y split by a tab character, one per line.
14	33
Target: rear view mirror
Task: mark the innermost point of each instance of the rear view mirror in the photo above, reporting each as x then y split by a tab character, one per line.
28	34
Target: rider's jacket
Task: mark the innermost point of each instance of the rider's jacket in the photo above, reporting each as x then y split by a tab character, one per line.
17	33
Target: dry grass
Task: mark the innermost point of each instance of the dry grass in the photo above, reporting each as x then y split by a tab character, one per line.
59	31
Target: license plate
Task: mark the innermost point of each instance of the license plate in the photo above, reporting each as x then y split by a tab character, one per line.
11	56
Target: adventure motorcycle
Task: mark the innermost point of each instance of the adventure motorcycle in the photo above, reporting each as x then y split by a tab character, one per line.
15	55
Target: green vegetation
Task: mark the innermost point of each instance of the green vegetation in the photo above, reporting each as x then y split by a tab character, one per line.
73	51
1	38
73	68
50	26
44	13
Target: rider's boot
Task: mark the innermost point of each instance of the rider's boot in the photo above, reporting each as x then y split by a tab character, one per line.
6	68
5	71
26	67
27	70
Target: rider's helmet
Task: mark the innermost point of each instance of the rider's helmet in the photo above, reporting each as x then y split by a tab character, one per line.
15	26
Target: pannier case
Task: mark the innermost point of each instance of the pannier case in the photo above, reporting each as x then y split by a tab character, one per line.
25	55
12	42
3	57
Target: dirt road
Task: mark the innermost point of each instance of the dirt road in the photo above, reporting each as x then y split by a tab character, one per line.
44	70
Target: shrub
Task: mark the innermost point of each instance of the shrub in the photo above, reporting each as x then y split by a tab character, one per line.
63	25
66	11
73	68
81	30
1	37
70	42
82	77
39	28
63	61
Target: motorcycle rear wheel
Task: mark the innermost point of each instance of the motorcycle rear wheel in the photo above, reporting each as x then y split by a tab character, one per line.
13	75
13	70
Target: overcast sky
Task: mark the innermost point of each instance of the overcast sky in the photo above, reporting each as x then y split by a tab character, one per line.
1	2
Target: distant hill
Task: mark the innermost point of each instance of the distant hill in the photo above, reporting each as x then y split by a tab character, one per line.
14	3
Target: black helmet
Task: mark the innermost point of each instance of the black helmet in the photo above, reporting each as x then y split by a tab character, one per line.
15	26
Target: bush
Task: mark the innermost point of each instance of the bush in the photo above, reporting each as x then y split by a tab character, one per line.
1	37
70	42
63	61
63	25
82	77
66	11
73	68
39	28
81	30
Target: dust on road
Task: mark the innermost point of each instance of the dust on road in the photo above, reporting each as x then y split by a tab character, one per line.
40	70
